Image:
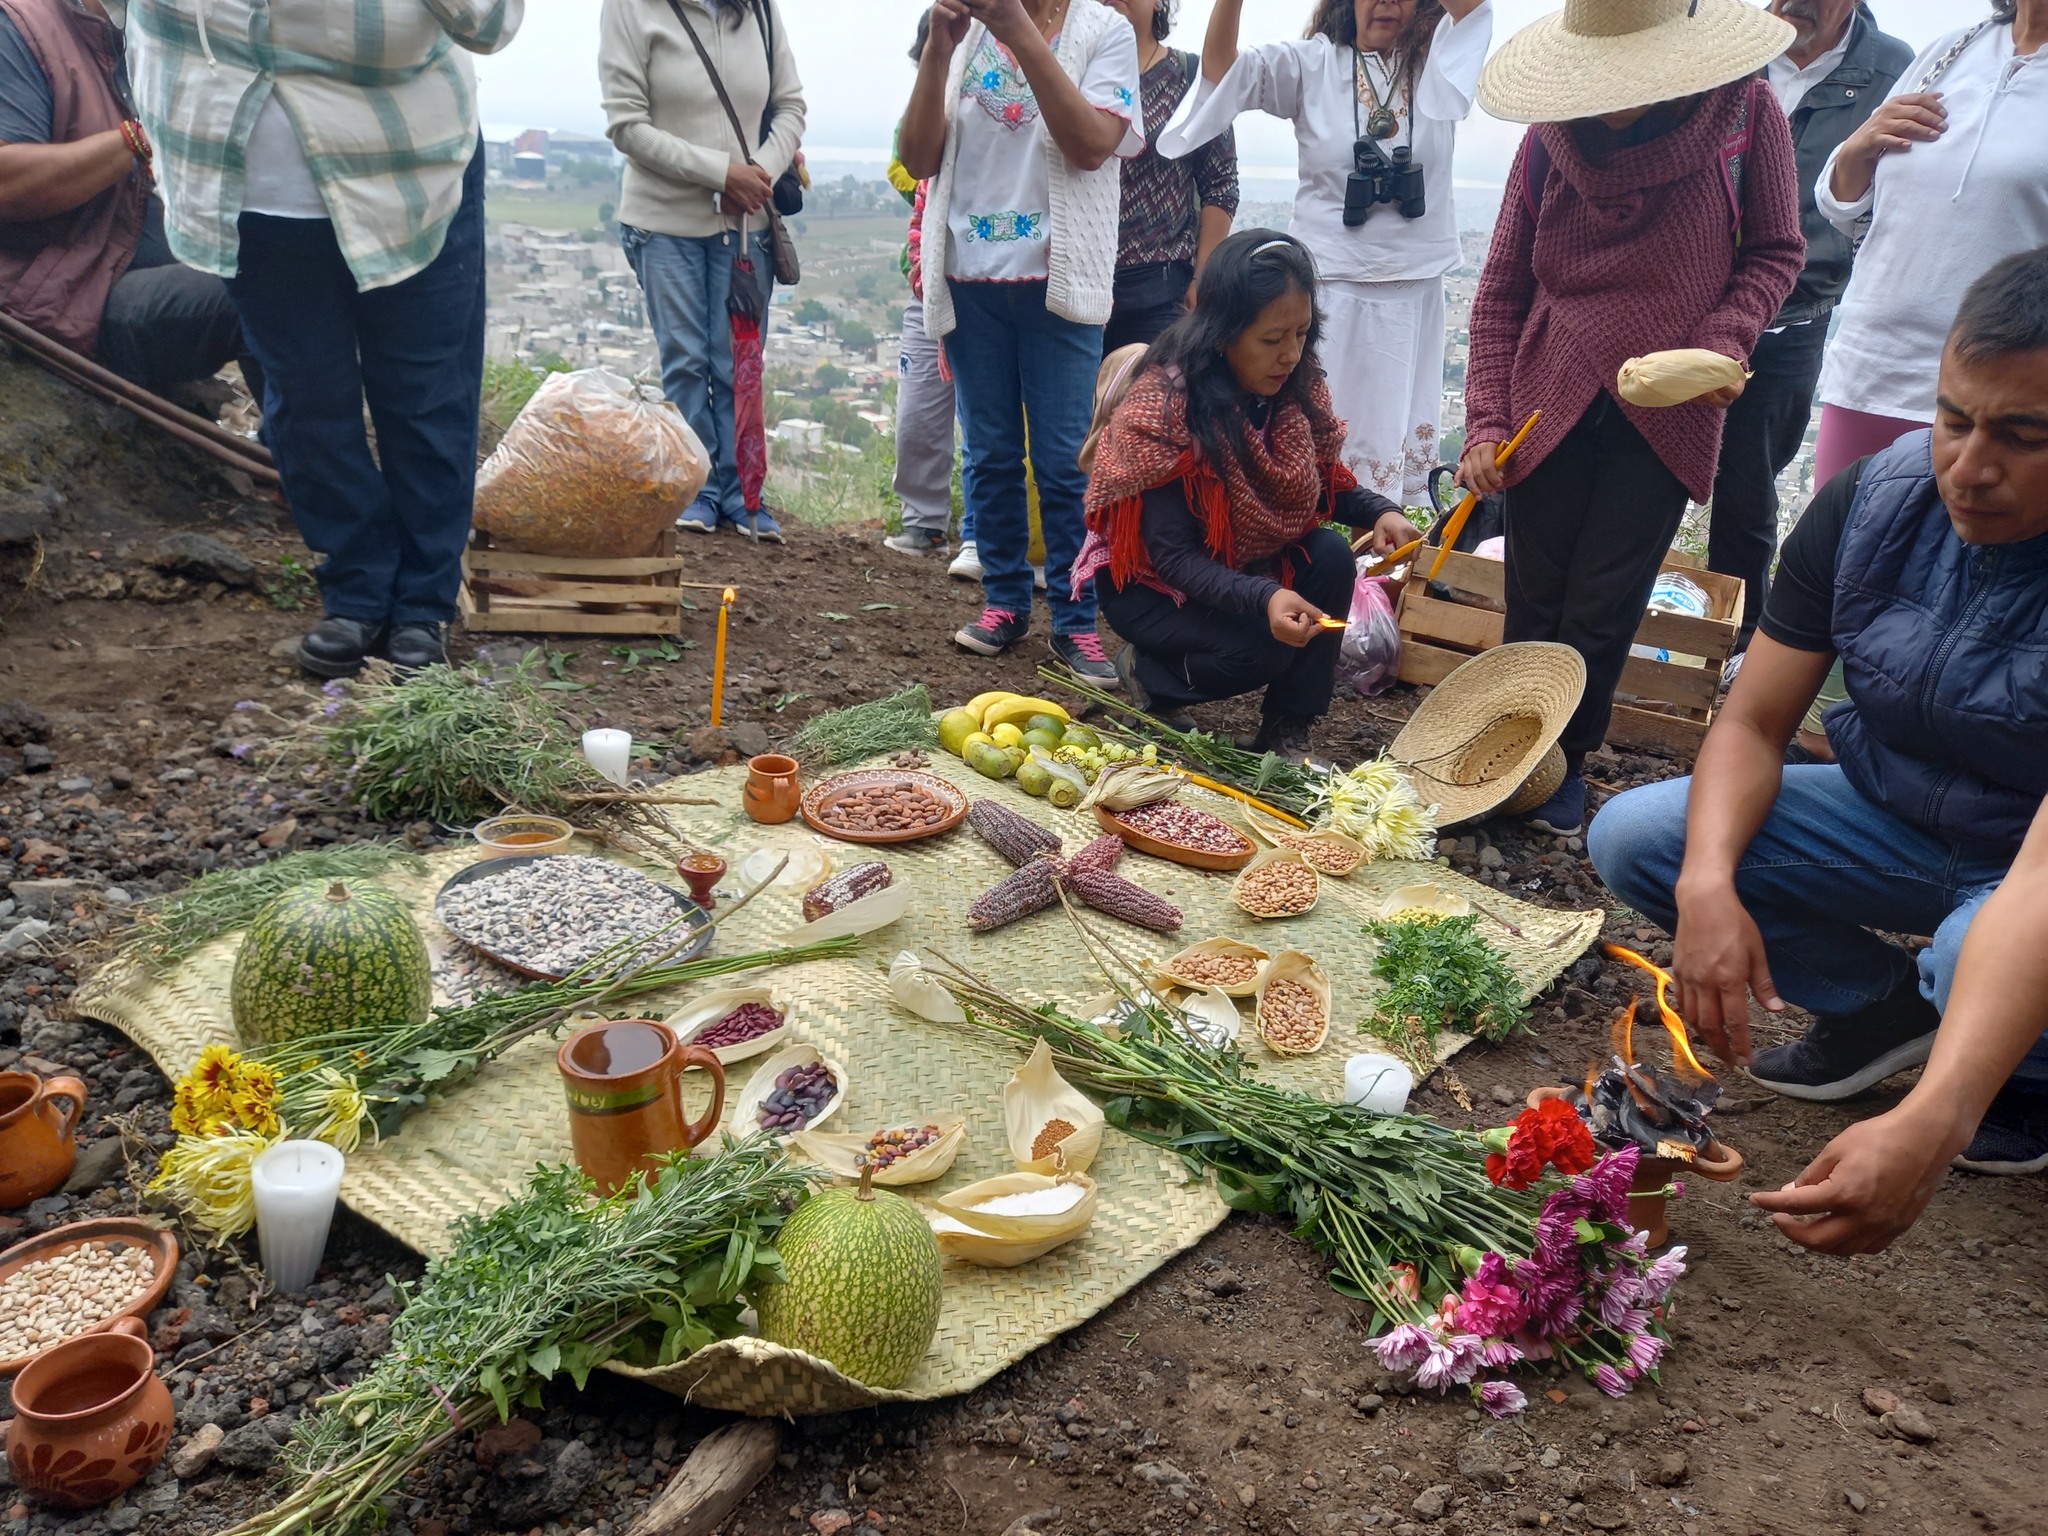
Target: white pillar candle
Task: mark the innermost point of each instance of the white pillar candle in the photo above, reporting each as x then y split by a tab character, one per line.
296	1184
1378	1083
609	752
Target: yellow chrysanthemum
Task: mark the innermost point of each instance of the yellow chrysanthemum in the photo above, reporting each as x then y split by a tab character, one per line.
257	1082
209	1178
257	1113
341	1111
217	1073
194	1112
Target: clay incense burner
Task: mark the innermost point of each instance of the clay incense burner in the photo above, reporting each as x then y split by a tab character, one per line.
1654	1172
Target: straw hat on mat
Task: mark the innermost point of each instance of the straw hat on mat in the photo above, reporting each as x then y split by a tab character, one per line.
1486	737
1600	56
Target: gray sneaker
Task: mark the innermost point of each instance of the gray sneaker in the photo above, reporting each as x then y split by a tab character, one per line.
918	542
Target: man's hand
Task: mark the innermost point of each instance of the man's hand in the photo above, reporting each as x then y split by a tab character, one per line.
1868	1185
1717	959
1391	532
1479	469
747	188
1293	618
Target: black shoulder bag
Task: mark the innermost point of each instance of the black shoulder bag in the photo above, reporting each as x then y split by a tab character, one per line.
788	267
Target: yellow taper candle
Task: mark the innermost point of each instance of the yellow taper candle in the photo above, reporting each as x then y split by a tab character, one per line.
1455	523
725	602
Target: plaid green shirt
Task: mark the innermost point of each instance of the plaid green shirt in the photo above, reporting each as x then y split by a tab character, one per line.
380	91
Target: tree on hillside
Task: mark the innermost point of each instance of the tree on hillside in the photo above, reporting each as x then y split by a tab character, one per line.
857	334
810	312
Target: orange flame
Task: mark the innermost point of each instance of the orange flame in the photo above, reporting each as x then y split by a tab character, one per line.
1681	1041
1622	1036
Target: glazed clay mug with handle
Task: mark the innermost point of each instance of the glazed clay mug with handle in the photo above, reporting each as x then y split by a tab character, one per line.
771	793
624	1081
90	1418
37	1141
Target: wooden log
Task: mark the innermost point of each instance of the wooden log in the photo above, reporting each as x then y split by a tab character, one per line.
720	1472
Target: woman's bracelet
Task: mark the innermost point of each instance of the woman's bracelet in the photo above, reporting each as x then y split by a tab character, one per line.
137	140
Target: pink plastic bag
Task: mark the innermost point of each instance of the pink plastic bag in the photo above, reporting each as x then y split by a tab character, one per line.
1369	660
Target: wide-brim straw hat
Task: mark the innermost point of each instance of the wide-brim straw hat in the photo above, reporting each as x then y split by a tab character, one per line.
1490	727
1600	56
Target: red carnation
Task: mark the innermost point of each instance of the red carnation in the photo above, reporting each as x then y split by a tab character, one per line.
1550	1133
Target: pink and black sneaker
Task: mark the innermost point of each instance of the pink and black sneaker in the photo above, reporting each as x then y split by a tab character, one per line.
1083	656
994	632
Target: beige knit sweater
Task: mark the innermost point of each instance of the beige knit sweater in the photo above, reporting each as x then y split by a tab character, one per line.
663	113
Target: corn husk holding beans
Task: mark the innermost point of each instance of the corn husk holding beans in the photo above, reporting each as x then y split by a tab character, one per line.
1195	967
841	1152
592	466
1294	1005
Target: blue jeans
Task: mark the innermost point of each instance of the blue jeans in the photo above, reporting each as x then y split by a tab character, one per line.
1013	357
686	281
392	526
1827	868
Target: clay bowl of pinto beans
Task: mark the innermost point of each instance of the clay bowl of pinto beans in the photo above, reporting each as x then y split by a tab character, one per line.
883	805
1186	834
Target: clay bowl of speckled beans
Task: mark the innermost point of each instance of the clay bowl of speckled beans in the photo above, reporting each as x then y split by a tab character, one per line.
108	1236
1167	829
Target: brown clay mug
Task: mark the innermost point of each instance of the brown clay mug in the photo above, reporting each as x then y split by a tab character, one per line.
771	793
624	1080
90	1418
37	1146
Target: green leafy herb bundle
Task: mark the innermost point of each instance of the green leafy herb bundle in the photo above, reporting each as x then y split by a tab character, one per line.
1441	975
1371	1192
223	901
454	744
895	724
1291	787
554	1283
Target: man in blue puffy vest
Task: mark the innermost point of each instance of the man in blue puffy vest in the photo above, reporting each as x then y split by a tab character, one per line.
1925	568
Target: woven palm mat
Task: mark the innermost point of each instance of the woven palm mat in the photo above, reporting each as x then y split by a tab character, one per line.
472	1150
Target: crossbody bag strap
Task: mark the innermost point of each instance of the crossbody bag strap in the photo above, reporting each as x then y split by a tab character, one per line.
1941	65
717	84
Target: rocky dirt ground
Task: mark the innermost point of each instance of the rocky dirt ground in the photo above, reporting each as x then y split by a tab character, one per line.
1230	1392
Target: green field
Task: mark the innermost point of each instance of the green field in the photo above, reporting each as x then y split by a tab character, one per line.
573	208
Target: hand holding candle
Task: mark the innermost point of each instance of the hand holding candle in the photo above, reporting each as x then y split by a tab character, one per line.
1455	523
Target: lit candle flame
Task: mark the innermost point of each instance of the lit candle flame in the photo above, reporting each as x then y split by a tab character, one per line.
1681	1041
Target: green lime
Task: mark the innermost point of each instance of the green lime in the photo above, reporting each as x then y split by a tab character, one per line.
1052	723
1046	739
1081	736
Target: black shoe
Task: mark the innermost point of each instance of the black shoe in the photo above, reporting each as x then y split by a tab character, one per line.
1286	739
1845	1053
2013	1136
994	632
1564	813
1170	716
413	646
338	647
1083	656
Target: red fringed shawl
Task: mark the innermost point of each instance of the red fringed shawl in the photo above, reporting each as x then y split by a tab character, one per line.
1278	490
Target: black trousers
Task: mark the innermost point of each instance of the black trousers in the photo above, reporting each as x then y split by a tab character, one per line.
1189	653
1148	300
1587	533
165	325
1765	428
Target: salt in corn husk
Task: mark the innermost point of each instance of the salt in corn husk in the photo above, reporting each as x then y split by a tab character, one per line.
1012	1219
1676	377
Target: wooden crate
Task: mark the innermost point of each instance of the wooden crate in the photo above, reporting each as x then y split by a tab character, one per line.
1661	706
507	591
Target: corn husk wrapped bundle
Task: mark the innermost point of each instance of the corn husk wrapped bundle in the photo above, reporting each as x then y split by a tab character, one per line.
1676	377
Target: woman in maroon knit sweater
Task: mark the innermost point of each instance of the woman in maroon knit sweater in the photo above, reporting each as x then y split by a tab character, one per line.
1620	235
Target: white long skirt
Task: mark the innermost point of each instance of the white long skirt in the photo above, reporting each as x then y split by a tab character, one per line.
1383	350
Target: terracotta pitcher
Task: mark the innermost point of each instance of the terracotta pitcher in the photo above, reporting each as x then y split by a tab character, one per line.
1715	1161
624	1080
90	1418
37	1148
771	794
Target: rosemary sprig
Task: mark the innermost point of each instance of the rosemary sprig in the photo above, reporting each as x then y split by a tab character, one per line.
862	731
224	900
553	1283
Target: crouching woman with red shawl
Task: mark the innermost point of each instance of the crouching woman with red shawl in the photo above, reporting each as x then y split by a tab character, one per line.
1208	497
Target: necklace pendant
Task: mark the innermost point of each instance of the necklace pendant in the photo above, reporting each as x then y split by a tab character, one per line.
1382	124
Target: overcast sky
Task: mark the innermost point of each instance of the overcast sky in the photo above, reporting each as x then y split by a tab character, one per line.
857	77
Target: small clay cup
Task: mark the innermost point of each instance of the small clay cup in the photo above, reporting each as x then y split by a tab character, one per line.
771	795
38	1143
1647	1200
702	872
90	1418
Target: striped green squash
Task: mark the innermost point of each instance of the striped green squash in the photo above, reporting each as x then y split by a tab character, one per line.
862	1286
322	958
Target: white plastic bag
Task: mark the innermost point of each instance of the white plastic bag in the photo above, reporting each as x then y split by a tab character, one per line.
1369	660
591	466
